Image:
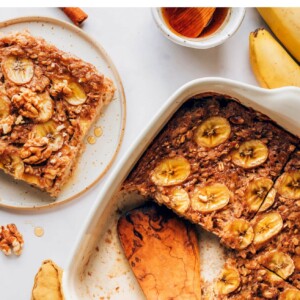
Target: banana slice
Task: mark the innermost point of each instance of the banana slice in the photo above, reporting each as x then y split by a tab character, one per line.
290	294
4	106
269	200
228	281
212	132
171	171
18	70
239	234
49	130
44	129
288	185
78	95
210	198
278	262
46	108
180	200
256	192
13	164
268	226
250	154
272	277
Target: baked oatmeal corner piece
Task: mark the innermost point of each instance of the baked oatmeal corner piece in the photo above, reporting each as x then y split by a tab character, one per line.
48	101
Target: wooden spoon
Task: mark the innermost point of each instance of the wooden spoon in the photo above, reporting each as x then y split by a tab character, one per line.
189	21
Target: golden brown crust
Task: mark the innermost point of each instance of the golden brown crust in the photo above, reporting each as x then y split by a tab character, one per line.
162	251
40	84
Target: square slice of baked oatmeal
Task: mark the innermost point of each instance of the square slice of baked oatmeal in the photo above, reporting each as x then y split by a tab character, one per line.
48	101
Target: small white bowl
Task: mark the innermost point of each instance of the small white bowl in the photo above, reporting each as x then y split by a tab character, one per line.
230	25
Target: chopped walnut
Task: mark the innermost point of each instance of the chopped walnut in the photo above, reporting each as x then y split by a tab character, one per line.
38	149
19	134
58	163
11	240
6	124
19	120
60	114
39	81
60	89
34	106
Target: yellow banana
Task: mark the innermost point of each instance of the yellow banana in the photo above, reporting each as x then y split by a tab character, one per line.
271	64
285	24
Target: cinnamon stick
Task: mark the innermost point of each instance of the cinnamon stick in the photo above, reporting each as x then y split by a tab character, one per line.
76	14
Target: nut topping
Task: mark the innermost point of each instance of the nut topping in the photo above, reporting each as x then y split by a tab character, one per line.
38	107
11	240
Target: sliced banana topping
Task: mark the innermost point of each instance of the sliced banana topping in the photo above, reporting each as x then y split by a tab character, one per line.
238	234
46	107
256	192
288	185
272	277
180	200
77	95
228	281
290	294
269	200
212	132
4	106
171	171
45	129
250	154
18	70
278	262
268	226
12	164
49	130
210	198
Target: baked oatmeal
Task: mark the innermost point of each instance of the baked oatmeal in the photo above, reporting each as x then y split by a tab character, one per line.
281	251
243	279
214	163
236	173
48	101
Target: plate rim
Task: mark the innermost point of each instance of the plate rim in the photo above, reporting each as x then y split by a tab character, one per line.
120	89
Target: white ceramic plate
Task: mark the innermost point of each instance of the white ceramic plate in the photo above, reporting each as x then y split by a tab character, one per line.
97	268
97	158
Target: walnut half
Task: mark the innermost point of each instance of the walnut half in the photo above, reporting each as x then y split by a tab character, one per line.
11	240
38	107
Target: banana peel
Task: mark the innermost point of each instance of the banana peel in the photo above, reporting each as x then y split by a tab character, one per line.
285	24
273	67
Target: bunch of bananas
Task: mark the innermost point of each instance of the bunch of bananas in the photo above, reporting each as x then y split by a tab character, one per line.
272	64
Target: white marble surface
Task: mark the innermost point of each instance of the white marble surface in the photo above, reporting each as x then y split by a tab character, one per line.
151	68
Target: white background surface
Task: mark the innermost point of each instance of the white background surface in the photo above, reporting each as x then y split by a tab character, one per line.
151	68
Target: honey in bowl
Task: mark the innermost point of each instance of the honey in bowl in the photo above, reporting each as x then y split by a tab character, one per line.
194	22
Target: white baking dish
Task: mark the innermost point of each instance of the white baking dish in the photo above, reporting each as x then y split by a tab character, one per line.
97	267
